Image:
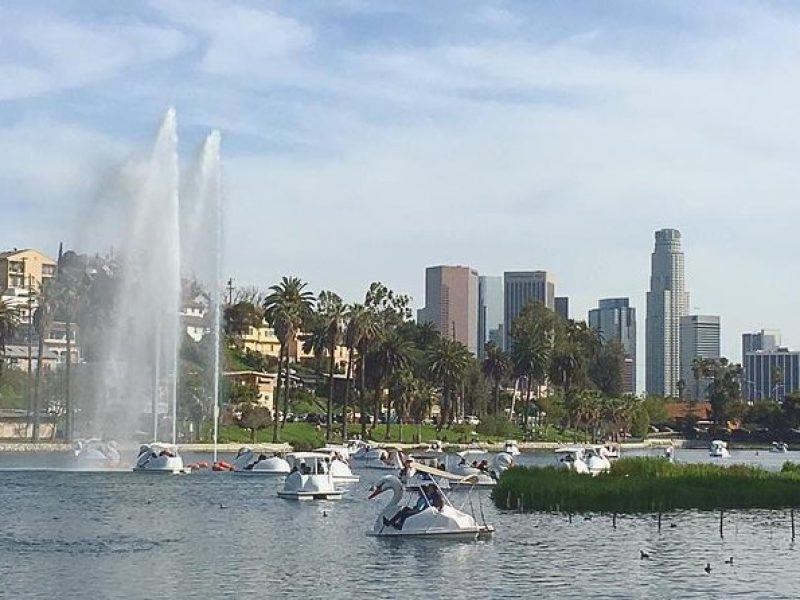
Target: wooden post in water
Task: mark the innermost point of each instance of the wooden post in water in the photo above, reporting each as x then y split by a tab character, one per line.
659	522
721	513
614	520
570	518
791	513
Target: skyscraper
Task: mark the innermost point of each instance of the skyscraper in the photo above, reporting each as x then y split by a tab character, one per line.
451	303
562	307
520	287
771	374
667	302
615	319
490	311
766	339
700	338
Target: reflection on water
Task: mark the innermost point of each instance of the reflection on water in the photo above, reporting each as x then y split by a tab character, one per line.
126	535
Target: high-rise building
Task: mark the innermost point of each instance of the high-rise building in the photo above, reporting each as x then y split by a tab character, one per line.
700	338
766	339
490	311
614	319
451	303
667	302
562	307
770	374
520	287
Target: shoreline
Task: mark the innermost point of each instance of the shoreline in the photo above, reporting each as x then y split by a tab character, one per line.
21	447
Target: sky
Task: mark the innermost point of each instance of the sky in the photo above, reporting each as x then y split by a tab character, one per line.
367	140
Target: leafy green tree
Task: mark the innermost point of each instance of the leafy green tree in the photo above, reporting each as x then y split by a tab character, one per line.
607	368
532	347
496	366
332	310
254	418
724	389
9	321
286	308
390	357
447	361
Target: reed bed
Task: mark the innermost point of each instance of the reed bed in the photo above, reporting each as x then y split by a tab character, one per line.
648	485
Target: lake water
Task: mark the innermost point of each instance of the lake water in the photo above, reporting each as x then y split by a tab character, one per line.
129	535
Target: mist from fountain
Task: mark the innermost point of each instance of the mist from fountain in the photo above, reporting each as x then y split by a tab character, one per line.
166	235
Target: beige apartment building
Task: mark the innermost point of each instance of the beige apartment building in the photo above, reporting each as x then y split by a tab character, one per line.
263	340
24	269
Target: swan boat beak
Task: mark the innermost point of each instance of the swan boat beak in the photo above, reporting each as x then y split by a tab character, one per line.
376	492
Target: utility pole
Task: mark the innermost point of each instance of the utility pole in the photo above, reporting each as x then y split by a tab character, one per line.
230	289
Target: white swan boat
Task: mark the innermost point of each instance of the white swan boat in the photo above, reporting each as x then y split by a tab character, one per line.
367	452
719	449
476	474
96	453
159	458
387	459
310	478
583	459
433	515
413	480
338	465
510	447
247	463
779	447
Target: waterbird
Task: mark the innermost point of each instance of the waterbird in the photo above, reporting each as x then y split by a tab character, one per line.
729	561
708	568
222	506
643	555
324	513
673	524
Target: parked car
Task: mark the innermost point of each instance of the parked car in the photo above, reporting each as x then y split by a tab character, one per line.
472	420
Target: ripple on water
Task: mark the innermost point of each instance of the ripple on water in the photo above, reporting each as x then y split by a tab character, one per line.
120	535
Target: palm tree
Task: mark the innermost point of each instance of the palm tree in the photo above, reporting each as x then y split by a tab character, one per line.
9	321
356	327
42	322
370	332
390	356
332	310
532	346
496	365
286	308
447	362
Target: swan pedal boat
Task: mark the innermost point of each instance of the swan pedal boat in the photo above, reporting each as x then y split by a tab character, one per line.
310	479
339	464
468	475
779	447
719	449
246	463
95	453
161	459
449	522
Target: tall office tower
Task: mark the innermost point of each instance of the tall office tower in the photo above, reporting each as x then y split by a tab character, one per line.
615	319
766	339
451	303
520	287
490	311
667	302
562	307
700	338
770	374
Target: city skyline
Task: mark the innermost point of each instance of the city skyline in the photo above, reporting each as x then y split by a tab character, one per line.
595	140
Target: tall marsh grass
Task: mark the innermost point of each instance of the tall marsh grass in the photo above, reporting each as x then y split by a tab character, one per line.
642	485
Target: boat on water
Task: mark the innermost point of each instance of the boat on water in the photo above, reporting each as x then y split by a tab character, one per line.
339	465
583	459
310	478
475	473
427	512
159	458
386	459
719	449
611	450
435	446
413	480
95	453
510	447
779	447
247	463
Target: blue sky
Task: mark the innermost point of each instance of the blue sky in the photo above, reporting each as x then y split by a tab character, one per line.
366	140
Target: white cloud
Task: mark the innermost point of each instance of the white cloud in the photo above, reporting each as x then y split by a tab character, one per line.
45	52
